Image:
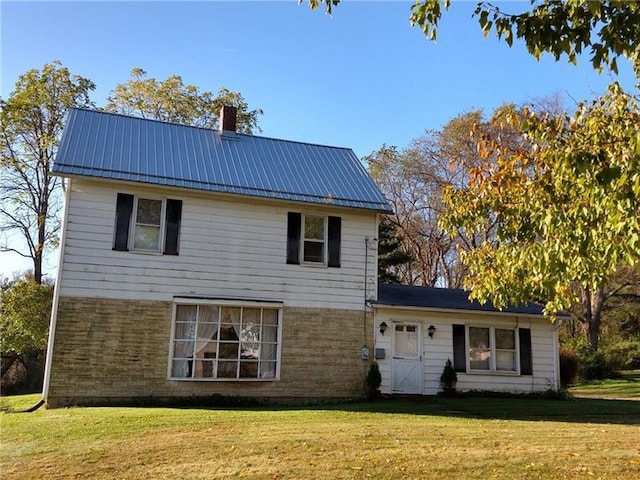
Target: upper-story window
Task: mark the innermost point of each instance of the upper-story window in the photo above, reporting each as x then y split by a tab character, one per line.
313	239
146	224
314	242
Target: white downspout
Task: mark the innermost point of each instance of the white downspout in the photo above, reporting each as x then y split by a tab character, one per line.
56	297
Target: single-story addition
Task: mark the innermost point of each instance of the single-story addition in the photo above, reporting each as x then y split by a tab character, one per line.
417	329
205	263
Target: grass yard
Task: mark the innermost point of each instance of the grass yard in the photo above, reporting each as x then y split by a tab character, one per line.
430	438
625	387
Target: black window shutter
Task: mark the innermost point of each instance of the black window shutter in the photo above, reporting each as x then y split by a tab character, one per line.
459	349
172	225
526	362
124	208
333	236
294	226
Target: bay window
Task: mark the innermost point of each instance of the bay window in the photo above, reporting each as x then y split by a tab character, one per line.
225	341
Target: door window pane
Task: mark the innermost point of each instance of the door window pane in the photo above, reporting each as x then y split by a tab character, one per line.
406	341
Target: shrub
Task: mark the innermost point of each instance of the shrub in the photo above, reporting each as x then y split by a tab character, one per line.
569	365
448	379
374	379
627	354
598	366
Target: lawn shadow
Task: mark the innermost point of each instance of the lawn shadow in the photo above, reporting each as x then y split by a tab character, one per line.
578	410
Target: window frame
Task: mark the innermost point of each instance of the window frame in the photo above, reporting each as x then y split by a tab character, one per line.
493	370
134	225
304	239
220	303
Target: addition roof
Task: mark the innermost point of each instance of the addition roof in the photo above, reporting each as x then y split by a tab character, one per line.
442	298
118	147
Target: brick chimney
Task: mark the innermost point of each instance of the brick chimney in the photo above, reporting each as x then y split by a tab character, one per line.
228	119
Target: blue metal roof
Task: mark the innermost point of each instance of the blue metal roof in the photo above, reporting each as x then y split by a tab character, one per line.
119	147
444	298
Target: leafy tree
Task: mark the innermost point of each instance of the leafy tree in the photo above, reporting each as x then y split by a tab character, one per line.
25	308
566	203
413	179
31	122
171	100
608	29
578	233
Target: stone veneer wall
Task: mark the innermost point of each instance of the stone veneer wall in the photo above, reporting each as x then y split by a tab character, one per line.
109	351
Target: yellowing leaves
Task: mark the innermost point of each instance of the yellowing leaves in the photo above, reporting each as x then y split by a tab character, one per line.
565	194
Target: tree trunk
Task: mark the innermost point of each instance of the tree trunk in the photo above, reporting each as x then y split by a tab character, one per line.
37	267
592	308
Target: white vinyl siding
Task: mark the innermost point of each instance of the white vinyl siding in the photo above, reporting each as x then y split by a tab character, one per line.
435	351
230	247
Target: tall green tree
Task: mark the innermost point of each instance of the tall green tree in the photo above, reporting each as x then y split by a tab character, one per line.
31	122
392	257
566	203
171	100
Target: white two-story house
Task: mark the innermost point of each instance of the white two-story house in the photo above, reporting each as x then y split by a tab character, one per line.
197	262
202	263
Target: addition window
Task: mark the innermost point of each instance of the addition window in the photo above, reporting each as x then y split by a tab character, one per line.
223	341
146	224
492	349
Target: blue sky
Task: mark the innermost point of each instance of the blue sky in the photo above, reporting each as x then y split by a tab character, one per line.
360	78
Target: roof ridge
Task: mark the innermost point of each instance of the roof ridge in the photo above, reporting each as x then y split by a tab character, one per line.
135	117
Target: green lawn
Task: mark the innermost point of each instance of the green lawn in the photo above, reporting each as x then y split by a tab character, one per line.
626	387
423	438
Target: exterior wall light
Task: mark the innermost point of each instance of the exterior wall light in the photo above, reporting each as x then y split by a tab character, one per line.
431	330
383	327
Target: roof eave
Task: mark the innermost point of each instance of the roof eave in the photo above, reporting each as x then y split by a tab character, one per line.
63	174
456	310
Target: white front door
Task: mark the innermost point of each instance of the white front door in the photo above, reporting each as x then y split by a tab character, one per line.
407	360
